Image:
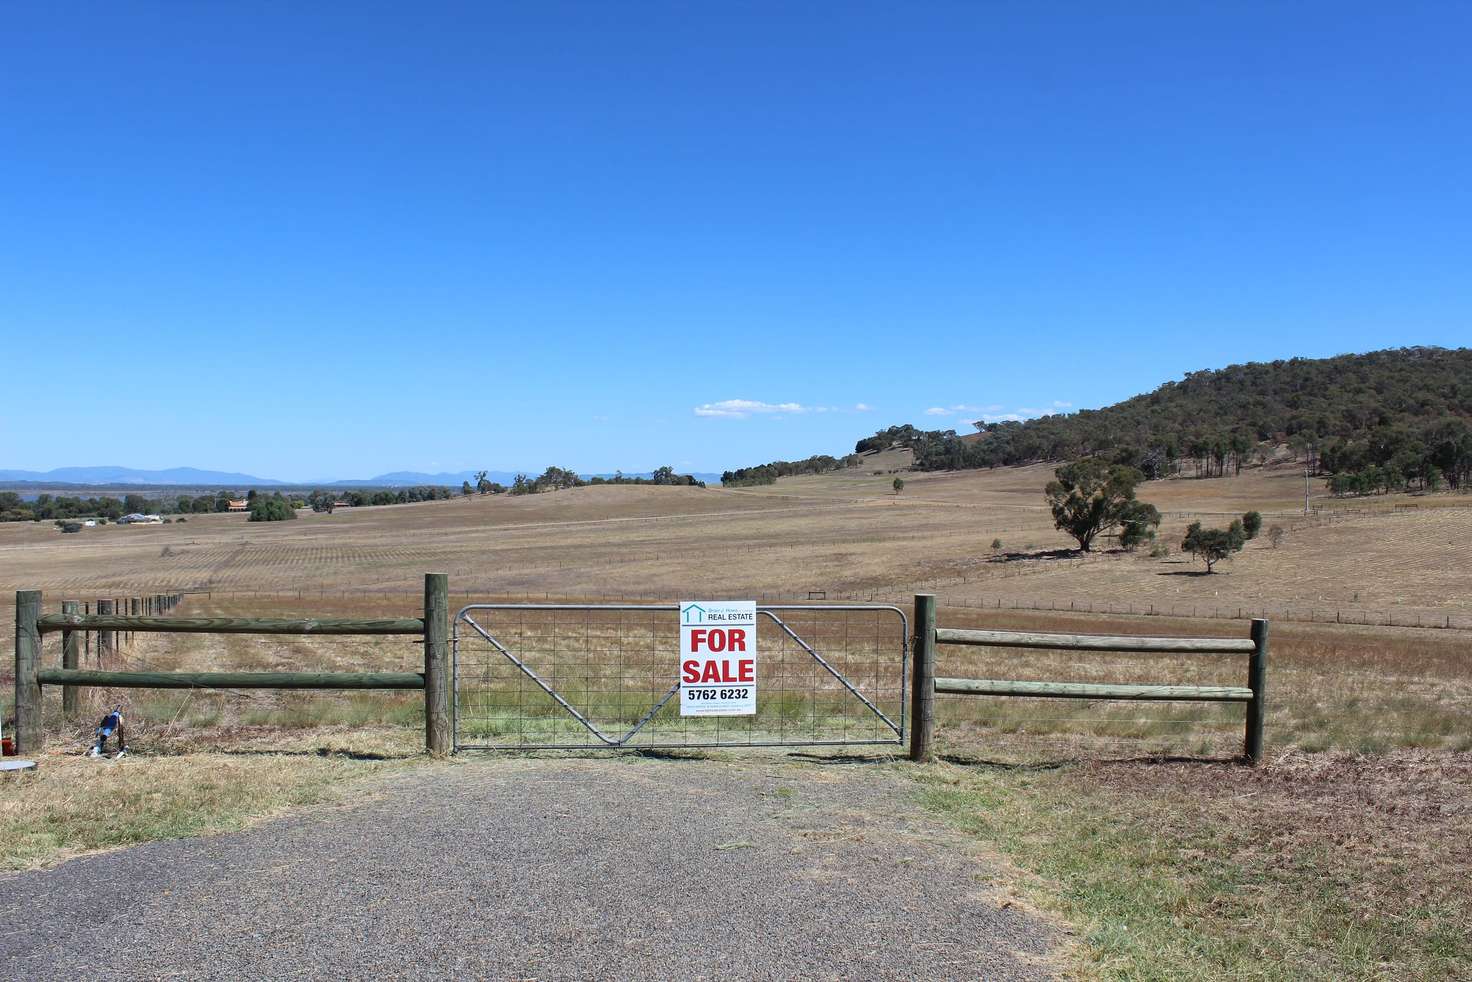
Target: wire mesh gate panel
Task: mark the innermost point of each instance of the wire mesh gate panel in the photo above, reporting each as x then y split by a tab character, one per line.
589	676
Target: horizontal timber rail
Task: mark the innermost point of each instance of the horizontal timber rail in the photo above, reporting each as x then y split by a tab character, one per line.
231	680
1088	690
925	685
227	625
1097	642
31	627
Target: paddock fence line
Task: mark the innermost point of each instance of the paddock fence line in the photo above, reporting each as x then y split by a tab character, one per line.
32	625
925	684
1304	613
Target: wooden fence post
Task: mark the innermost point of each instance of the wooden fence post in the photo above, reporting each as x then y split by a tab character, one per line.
27	661
922	680
438	738
1257	681
69	653
105	646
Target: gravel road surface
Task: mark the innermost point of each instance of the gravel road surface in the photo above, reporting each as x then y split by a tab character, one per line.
546	869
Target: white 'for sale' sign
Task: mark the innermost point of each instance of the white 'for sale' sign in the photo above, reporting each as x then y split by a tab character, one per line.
718	658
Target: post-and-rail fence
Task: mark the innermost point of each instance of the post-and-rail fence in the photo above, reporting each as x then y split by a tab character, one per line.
31	626
437	681
926	684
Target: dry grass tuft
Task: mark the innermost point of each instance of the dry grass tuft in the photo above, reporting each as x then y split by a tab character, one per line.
73	805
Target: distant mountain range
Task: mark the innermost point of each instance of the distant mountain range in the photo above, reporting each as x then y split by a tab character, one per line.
194	477
191	476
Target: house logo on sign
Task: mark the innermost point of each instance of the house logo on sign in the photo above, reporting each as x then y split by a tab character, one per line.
692	614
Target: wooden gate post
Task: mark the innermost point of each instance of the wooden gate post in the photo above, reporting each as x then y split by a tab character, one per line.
69	652
106	644
922	680
1257	681
27	661
438	738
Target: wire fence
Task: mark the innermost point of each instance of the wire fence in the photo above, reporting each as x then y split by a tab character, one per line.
586	677
1308	613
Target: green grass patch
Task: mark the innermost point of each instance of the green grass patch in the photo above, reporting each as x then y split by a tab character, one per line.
1158	891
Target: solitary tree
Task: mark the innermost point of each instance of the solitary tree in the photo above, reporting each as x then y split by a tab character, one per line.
1137	524
481	484
1213	545
898	485
1251	524
1092	496
466	489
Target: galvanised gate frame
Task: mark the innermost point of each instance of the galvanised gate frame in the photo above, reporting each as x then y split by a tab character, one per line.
566	676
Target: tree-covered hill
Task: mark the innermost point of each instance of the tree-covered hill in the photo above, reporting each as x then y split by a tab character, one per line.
1380	420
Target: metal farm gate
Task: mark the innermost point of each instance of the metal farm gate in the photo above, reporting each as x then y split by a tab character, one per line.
604	676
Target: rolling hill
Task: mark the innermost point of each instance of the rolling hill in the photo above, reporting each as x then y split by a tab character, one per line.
1390	418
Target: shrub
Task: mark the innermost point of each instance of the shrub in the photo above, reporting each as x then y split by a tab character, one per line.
272	509
1275	535
1213	545
996	545
1251	524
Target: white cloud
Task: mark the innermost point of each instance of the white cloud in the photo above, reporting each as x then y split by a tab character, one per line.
961	409
742	408
1062	405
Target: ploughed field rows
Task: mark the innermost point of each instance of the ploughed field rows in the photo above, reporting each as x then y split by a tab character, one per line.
763	546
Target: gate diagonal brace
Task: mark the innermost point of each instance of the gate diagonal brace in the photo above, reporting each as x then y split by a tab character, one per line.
831	670
556	697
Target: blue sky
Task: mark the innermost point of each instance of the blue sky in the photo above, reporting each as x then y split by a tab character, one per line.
339	240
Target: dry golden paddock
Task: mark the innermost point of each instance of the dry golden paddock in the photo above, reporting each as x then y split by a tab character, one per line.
1345	856
840	533
1337	682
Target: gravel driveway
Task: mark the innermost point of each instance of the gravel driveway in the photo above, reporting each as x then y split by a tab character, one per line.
620	867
